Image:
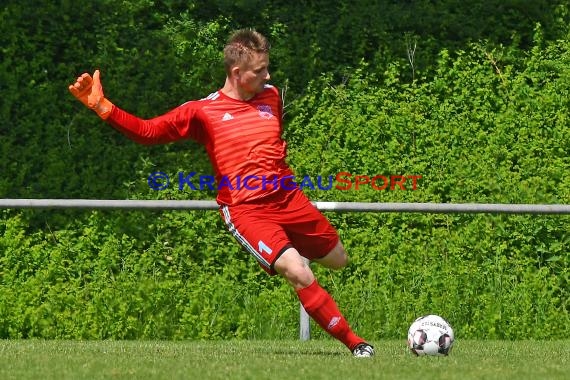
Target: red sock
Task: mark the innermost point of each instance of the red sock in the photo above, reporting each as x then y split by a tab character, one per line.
323	309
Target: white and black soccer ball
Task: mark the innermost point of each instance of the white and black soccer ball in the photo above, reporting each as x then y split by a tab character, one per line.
430	335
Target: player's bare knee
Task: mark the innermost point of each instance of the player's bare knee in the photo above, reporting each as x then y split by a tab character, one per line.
294	269
340	262
298	277
336	259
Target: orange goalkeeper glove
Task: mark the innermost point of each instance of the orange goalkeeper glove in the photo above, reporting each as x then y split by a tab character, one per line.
89	91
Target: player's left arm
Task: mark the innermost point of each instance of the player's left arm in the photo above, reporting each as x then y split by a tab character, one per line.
183	122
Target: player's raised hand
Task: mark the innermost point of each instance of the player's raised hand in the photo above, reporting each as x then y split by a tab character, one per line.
89	91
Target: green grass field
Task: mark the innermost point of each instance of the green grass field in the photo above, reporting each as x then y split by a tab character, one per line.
315	359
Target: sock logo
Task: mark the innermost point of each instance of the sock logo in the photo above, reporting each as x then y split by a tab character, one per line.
333	322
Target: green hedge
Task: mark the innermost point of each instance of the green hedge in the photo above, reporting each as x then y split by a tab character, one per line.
481	117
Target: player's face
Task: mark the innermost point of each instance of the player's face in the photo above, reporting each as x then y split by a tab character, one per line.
254	73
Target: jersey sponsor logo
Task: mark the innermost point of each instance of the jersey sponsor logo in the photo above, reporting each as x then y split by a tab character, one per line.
265	111
227	116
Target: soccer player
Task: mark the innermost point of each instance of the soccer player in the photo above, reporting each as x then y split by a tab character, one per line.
240	126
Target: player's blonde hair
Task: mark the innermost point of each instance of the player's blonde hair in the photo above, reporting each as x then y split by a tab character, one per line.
241	45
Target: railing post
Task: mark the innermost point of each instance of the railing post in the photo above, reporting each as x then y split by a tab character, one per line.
304	319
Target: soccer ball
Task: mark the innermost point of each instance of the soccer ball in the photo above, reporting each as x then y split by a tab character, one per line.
430	335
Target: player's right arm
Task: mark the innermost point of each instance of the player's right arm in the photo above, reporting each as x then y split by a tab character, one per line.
180	123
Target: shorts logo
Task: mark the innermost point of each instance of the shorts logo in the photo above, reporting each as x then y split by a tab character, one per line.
262	247
265	111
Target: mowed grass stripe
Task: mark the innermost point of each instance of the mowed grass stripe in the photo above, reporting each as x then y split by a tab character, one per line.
315	359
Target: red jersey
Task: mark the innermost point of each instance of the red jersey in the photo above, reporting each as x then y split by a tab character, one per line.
242	138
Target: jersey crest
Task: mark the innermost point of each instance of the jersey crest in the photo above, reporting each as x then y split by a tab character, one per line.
265	111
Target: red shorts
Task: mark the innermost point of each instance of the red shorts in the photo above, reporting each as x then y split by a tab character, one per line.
283	220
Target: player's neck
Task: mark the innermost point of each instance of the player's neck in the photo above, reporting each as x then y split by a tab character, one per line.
235	92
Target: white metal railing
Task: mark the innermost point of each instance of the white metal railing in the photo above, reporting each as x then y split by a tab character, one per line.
493	208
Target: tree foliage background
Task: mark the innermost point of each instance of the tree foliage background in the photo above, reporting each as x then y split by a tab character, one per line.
473	96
